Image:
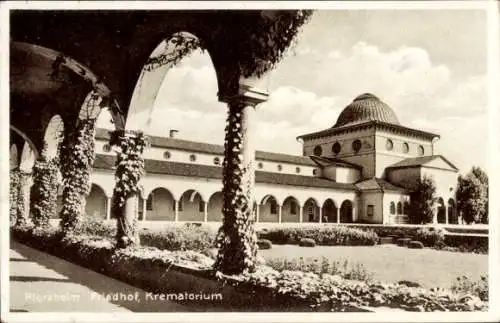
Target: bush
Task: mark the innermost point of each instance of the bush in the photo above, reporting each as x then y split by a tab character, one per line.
408	283
178	238
94	226
467	243
403	242
329	236
415	245
322	266
467	286
306	242
430	237
264	244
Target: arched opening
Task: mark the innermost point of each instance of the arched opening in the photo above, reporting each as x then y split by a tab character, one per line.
160	205
406	207
441	211
269	209
346	209
329	212
452	212
290	210
54	134
28	157
191	207
392	208
311	211
215	208
13	157
97	203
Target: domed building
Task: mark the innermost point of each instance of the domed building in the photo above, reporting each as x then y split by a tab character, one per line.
362	169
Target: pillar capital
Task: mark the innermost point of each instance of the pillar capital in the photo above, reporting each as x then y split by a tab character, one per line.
246	94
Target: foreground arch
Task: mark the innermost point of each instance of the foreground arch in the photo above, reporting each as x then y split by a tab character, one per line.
329	212
215	207
160	205
346	212
97	203
191	207
311	211
290	211
269	209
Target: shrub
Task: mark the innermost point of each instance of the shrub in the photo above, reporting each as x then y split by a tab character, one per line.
322	266
264	244
403	242
415	245
467	286
467	243
306	242
322	235
178	238
408	283
430	237
94	226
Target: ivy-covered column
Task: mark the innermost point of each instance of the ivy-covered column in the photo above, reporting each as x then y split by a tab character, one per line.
77	158
43	198
23	198
129	169
236	239
13	193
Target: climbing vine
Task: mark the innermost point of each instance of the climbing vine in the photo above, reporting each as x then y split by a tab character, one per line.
257	41
236	238
13	193
77	158
129	169
43	201
21	200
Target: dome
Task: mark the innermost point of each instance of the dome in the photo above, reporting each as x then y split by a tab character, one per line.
366	107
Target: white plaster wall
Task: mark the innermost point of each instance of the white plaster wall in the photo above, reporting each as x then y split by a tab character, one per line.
402	176
348	175
345	140
371	198
393	197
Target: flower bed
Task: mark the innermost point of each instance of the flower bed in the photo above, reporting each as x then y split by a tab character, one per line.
328	236
161	271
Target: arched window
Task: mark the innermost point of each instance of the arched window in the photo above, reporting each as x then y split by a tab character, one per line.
106	148
400	208
406	208
317	151
274	207
280	168
393	208
315	172
167	155
336	148
192	157
293	207
297	170
216	160
389	145
421	150
356	145
260	165
406	148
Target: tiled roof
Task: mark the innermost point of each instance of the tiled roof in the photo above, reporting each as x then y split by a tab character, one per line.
420	161
378	184
200	147
205	171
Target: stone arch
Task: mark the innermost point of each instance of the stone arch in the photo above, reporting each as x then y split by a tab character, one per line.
329	211
28	142
214	210
54	134
13	157
290	210
346	212
28	158
452	211
97	202
269	209
160	205
191	206
150	80
311	210
441	211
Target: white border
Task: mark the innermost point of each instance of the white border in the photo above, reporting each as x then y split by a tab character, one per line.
494	153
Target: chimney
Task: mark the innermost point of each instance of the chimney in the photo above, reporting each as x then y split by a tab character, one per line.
173	132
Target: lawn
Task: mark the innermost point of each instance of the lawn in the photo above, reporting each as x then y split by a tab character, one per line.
390	263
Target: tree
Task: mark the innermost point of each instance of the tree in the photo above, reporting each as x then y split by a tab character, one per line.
472	196
422	201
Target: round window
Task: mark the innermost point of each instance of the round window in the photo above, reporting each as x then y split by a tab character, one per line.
406	148
106	148
389	145
315	172
421	150
317	151
260	165
216	160
356	145
192	158
280	167
336	148
297	170
167	155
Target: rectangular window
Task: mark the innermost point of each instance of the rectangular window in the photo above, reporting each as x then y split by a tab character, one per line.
369	210
149	202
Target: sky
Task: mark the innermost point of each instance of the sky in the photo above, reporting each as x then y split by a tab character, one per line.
429	66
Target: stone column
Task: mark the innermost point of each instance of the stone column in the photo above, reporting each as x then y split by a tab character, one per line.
338	215
108	208
237	239
25	182
279	214
144	208
205	212
176	211
257	213
320	213
301	214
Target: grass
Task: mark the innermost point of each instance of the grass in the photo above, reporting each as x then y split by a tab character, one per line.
428	267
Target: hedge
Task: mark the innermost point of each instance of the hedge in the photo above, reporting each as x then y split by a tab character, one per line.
149	268
322	235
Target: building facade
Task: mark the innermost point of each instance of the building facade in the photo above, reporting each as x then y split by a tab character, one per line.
360	170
